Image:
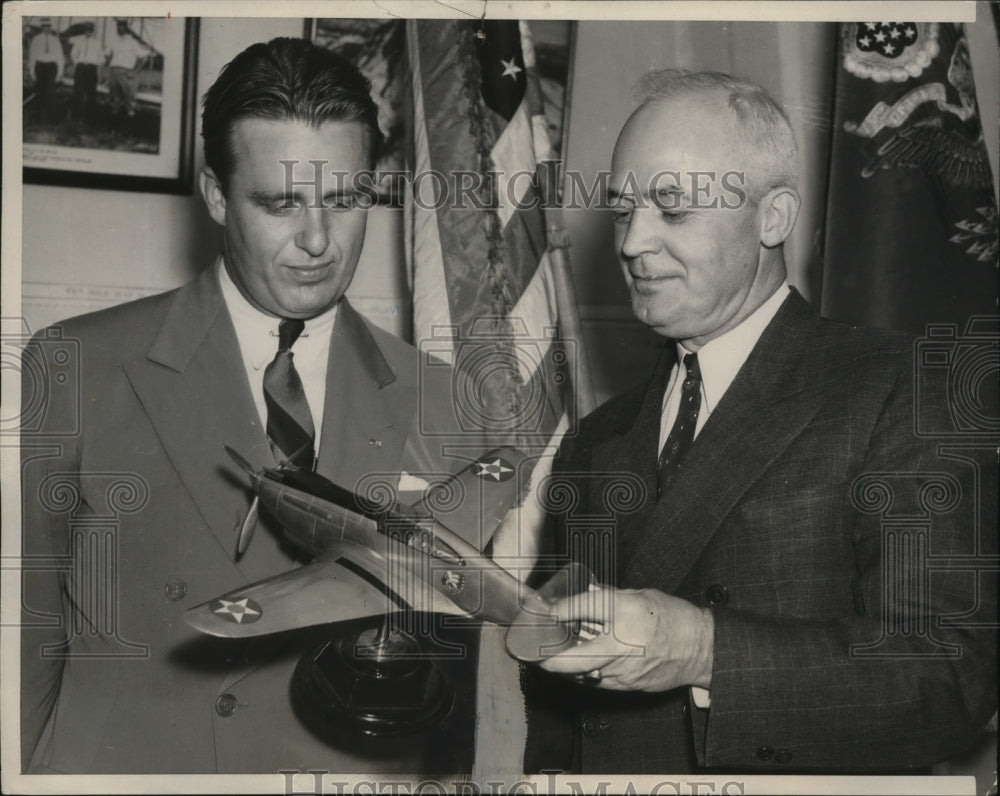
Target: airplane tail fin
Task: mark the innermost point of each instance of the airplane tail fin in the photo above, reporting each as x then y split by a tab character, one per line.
473	503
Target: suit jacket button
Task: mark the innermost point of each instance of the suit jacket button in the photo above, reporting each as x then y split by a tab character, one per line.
782	756
225	705
716	595
765	753
592	725
175	589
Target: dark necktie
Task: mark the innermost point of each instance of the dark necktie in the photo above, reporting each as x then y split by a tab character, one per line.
289	421
682	434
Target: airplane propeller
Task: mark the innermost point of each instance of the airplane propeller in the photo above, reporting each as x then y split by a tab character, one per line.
242	463
250	521
249	524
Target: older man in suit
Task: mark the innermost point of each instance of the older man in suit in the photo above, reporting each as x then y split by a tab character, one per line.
129	498
786	589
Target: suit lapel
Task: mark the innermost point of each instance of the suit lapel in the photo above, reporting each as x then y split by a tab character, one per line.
632	449
764	409
367	412
194	388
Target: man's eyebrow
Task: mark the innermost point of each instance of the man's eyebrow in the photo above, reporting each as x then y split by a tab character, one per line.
269	197
670	189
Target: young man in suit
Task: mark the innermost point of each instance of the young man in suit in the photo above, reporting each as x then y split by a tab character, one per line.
786	591
131	505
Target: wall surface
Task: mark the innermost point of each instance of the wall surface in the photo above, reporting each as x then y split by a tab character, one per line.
86	249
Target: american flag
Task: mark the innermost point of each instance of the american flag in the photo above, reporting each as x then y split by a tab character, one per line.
484	289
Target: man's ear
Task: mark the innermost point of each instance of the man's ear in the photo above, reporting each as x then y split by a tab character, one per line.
212	193
780	208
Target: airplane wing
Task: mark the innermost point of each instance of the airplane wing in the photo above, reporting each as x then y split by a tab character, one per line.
344	583
472	503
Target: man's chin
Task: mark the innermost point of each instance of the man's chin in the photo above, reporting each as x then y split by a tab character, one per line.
650	314
301	307
311	311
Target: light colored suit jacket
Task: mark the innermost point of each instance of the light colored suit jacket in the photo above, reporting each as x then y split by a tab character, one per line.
130	513
843	546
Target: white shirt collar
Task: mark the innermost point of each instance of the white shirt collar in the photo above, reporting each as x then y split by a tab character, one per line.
256	330
257	335
721	358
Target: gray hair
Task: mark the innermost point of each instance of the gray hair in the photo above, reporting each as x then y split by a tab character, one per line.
768	145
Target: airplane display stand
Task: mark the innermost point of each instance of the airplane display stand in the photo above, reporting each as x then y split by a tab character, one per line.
374	683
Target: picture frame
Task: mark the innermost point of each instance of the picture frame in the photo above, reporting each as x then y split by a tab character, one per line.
117	110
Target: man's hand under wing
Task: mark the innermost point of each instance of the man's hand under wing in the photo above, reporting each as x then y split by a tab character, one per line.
650	641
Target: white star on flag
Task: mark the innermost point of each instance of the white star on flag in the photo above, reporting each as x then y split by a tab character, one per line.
236	609
495	469
510	68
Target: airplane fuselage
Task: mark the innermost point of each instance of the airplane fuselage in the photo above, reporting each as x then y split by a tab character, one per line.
413	545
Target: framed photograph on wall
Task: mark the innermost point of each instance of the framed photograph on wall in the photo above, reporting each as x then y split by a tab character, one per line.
109	102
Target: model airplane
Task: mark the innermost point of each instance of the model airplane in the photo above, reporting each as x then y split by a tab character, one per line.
369	560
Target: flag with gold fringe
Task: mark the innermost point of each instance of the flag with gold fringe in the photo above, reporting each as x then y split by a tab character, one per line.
484	293
911	232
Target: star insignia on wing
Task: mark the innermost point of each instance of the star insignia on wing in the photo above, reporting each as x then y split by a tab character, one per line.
510	68
498	469
238	611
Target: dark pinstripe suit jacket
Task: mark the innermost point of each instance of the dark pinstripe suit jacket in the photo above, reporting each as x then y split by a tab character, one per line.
836	545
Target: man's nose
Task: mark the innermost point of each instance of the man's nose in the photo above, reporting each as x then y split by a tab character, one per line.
313	236
640	233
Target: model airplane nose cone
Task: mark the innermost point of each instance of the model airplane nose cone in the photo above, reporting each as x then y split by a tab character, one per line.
535	635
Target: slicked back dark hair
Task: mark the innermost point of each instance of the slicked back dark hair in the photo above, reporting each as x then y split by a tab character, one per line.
284	78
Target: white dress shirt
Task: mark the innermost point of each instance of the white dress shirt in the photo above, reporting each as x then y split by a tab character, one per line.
719	360
126	51
45	47
86	50
257	334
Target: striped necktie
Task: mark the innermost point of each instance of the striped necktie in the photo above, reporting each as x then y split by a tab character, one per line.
289	420
682	434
